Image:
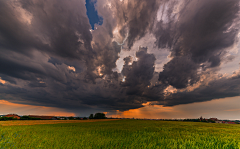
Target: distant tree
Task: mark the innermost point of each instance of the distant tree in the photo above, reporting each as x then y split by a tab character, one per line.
91	116
7	118
99	116
29	118
85	118
197	120
210	121
25	118
71	118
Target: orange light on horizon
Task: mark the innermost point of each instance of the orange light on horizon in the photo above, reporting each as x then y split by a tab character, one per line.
223	108
148	111
23	109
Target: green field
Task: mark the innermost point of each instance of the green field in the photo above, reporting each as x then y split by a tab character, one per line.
122	134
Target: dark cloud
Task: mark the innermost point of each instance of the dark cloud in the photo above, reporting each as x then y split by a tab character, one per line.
132	18
180	72
217	88
15	34
137	76
126	90
49	56
55	27
198	34
105	55
138	18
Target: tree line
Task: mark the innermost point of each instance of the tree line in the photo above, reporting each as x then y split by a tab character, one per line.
97	116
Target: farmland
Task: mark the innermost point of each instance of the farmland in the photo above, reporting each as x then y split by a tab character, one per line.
119	134
37	122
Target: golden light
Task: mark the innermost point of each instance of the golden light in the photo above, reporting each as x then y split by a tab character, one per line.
124	79
169	90
149	110
115	31
72	68
2	81
109	5
24	109
99	69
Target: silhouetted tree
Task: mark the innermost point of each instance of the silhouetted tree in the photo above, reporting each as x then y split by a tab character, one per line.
71	118
91	116
29	118
99	116
7	118
25	117
78	118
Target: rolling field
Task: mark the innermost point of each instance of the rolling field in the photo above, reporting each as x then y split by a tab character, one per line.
120	134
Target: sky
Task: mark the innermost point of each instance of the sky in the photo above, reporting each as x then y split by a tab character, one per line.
126	58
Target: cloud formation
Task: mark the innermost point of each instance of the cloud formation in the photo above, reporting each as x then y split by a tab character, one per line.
131	17
219	87
49	56
198	39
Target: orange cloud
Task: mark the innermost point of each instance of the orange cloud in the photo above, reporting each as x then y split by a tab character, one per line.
219	108
148	111
2	81
23	109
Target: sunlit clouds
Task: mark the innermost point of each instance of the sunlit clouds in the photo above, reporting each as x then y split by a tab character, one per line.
72	68
220	108
124	79
23	109
2	81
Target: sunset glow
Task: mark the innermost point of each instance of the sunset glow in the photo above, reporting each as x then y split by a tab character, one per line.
23	109
221	108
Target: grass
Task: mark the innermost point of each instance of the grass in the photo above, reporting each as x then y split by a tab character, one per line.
122	134
37	122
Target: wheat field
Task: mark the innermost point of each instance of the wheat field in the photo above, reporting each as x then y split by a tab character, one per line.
133	134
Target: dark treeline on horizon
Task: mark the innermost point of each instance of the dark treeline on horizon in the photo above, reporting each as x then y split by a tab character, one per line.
103	116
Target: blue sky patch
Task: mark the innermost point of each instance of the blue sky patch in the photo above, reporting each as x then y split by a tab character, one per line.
92	13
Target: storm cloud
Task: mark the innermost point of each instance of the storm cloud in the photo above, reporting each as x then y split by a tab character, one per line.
130	18
49	55
215	89
201	34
